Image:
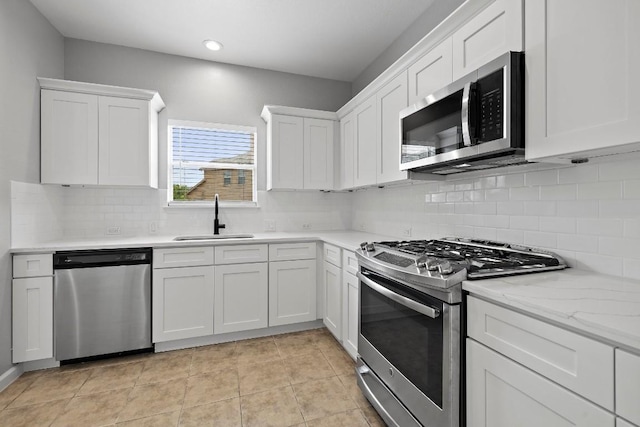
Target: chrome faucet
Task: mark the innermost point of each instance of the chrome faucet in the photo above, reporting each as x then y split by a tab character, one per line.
216	223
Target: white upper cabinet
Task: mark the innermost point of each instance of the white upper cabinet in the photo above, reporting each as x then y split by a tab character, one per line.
98	135
366	158
318	154
390	100
489	34
583	62
347	150
299	148
432	72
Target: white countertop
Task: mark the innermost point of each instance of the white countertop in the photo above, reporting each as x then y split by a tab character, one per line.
604	307
349	240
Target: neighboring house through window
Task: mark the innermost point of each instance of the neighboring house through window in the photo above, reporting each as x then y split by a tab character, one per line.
205	157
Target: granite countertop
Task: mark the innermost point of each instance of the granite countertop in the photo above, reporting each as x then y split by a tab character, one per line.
600	306
349	240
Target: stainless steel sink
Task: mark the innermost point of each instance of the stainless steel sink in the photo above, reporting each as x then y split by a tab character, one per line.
214	237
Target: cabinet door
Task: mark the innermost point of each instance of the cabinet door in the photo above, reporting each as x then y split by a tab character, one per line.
191	256
582	86
292	292
241	297
333	299
318	154
347	150
124	147
390	100
628	385
500	391
432	72
365	143
182	303
494	31
32	319
69	138
350	298
286	151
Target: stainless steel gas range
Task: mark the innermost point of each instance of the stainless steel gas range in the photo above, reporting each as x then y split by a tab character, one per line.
411	321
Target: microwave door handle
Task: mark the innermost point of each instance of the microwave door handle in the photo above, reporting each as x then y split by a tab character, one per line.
466	136
409	303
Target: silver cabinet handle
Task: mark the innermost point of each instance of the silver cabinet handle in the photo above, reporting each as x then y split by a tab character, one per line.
376	403
409	303
466	136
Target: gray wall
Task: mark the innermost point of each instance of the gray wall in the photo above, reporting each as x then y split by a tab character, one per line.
29	47
201	90
426	22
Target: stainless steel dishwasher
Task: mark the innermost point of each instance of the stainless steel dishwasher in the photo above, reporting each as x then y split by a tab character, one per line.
102	302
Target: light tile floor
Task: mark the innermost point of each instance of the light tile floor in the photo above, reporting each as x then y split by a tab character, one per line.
298	379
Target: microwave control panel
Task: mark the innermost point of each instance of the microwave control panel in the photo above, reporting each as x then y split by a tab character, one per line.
491	106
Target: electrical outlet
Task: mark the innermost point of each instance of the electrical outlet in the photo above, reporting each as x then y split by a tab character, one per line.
306	226
406	232
113	230
153	227
269	225
363	227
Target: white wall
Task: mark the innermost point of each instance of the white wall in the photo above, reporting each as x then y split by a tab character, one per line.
29	47
589	213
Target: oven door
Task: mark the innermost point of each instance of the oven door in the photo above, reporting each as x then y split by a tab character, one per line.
409	345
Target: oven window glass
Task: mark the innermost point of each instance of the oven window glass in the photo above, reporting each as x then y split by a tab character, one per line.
433	130
410	341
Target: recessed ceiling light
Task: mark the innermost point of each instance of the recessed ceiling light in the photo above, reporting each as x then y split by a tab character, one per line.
212	44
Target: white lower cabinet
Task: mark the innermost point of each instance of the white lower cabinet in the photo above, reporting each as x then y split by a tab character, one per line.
628	385
32	318
333	299
292	292
182	303
502	393
350	297
241	294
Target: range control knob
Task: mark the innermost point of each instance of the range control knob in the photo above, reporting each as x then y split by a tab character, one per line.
421	262
363	245
432	264
370	247
445	267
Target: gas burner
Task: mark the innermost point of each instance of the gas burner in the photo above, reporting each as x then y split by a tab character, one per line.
448	261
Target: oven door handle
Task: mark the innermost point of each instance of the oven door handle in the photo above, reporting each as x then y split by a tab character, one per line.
409	303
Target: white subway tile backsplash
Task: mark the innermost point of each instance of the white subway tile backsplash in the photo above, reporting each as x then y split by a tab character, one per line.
631	268
524	223
632	228
600	190
474	196
599	263
485	182
558	192
543	177
578	208
578	173
496	194
525	193
616	246
558	225
632	189
510	208
456	196
463	208
510	235
600	227
541	239
510	180
620	208
485	208
578	243
540	208
439	197
619	170
496	221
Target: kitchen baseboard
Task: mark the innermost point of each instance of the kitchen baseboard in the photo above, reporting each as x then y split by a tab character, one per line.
12	374
37	365
235	336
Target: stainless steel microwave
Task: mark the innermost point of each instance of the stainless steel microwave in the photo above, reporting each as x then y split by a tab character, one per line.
476	122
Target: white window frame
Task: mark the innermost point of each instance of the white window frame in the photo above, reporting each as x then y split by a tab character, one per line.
210	203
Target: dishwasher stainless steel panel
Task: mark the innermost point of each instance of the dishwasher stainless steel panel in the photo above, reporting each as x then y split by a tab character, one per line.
102	309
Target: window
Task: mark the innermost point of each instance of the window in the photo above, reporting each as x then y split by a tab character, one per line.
203	159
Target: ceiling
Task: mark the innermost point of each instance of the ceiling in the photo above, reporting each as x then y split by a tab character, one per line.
334	39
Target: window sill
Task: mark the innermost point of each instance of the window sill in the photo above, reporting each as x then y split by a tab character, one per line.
211	205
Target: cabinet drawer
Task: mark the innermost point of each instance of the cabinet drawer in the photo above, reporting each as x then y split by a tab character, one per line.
292	251
240	254
32	265
627	385
183	257
349	262
332	254
573	361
